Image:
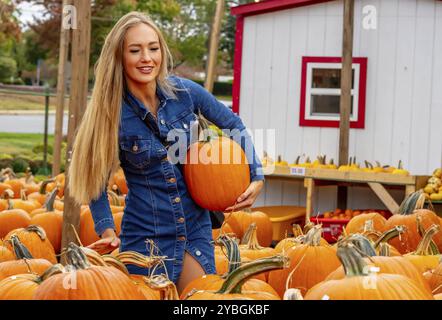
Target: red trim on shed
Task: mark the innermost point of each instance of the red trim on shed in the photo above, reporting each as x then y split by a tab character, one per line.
237	63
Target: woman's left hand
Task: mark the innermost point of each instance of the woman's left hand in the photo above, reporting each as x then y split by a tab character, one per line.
249	196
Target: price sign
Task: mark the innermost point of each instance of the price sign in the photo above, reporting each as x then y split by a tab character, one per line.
297	171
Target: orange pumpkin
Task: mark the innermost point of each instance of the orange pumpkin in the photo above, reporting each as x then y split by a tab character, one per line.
310	263
208	159
360	285
13	219
19	287
239	221
357	223
409	211
5	253
91	282
34	238
25	263
87	226
40	196
51	221
393	265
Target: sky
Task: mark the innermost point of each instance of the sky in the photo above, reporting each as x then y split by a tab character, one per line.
27	11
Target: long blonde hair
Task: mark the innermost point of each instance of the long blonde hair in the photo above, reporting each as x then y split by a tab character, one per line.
95	149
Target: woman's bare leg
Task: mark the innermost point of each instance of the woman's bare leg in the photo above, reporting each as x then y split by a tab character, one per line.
191	270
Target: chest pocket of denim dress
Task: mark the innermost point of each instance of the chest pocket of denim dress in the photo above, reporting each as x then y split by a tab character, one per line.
183	121
136	151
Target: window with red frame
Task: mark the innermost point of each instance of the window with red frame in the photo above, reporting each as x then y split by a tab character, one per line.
321	89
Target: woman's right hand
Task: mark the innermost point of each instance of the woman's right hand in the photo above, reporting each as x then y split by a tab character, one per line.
108	242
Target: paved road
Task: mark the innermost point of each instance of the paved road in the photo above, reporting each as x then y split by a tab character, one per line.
33	122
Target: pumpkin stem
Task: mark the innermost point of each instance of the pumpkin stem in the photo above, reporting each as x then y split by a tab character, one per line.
369	230
250	238
313	236
161	283
203	128
433	249
362	244
114	262
138	259
389	234
55	269
351	259
232	252
297	231
384	249
43	186
49	203
76	257
424	246
38	230
20	250
413	201
235	280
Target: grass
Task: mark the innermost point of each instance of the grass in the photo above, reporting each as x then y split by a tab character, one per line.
21	143
10	101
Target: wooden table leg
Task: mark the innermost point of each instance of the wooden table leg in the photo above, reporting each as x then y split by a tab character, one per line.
385	197
309	184
409	189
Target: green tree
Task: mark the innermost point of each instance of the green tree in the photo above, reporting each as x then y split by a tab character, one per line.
8	68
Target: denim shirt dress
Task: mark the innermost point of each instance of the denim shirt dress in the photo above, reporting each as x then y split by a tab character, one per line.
158	206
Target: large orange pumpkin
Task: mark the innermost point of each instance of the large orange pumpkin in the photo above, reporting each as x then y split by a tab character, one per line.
357	223
359	284
51	221
310	263
91	282
410	209
240	221
393	265
225	162
13	219
25	263
19	287
35	239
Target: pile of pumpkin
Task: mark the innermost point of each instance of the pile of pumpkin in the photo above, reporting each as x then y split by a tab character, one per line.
433	189
321	163
373	256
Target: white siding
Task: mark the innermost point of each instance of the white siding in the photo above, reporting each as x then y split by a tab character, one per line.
404	88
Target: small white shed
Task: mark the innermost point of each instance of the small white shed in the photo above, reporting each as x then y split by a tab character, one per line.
286	77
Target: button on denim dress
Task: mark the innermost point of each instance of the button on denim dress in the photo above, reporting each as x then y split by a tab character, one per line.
158	205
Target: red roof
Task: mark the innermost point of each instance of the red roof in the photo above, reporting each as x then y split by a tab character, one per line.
272	5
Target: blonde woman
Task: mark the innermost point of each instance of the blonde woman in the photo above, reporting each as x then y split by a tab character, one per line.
134	105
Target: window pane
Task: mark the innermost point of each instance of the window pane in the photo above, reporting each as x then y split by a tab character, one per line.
326	105
328	78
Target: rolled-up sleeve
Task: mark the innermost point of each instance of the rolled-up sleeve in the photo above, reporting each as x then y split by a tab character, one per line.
223	117
102	214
